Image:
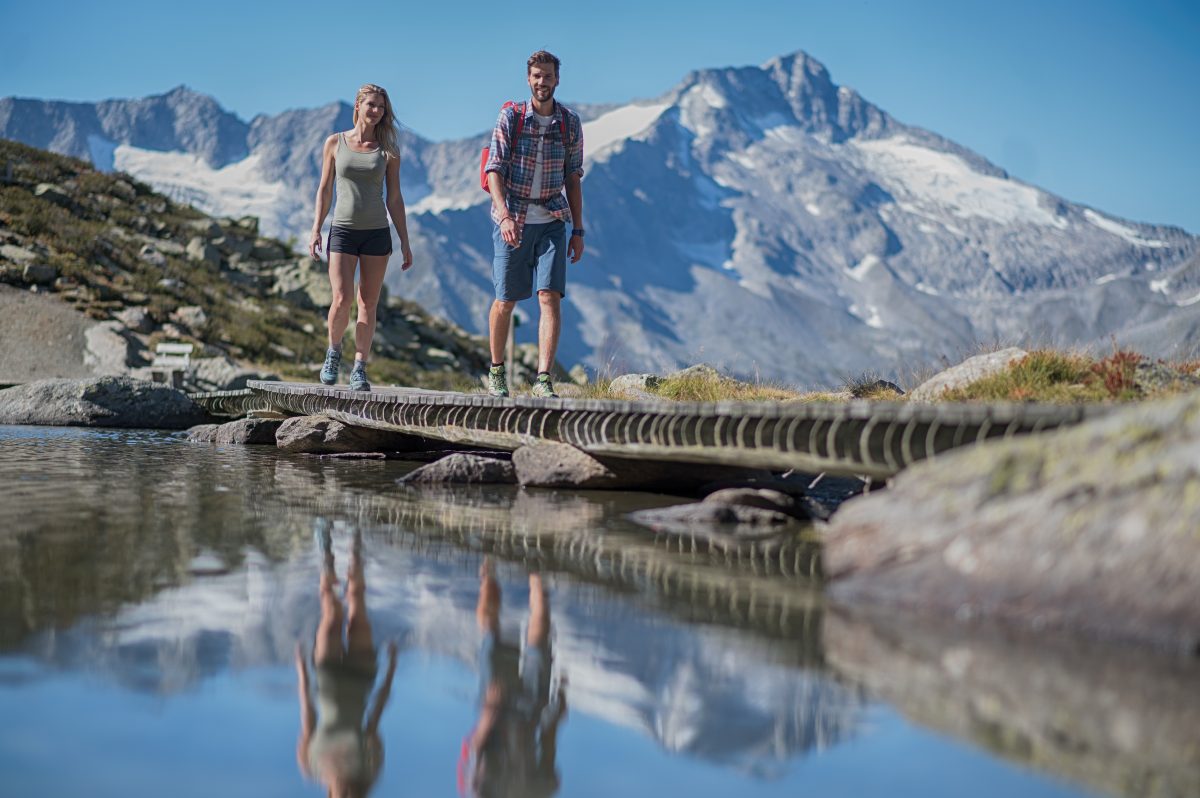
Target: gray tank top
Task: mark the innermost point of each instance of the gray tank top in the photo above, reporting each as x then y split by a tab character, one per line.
359	188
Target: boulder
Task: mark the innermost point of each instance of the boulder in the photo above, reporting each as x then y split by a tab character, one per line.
136	319
200	250
39	273
304	282
53	193
709	513
99	402
970	370
222	373
106	351
635	386
700	370
192	317
461	468
249	431
324	435
762	498
1091	529
203	433
16	254
547	464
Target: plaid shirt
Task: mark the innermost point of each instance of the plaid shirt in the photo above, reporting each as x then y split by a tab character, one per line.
517	171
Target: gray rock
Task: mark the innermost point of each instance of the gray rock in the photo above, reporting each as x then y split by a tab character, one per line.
137	319
635	386
578	375
222	373
149	254
860	391
762	498
324	435
207	228
39	273
304	282
106	352
192	317
707	513
266	249
17	254
200	250
700	370
248	431
1090	529
53	193
203	433
969	371
465	469
99	402
547	464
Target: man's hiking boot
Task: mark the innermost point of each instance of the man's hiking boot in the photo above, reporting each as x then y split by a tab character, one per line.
497	381
358	377
543	387
333	362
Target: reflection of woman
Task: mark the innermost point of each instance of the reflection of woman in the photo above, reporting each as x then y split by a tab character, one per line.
362	161
336	747
513	747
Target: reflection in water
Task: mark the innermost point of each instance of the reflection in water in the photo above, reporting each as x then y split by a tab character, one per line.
340	746
1124	720
512	749
136	560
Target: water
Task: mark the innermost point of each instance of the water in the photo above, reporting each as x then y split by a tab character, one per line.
155	596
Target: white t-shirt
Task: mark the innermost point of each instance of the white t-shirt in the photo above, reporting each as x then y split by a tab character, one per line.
537	214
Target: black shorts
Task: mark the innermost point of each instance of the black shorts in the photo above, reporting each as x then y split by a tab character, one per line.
360	242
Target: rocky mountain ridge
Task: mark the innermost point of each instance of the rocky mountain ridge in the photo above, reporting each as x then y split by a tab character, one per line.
764	219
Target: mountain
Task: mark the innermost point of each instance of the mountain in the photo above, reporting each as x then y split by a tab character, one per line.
763	219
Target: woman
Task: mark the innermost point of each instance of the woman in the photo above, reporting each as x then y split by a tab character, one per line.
363	162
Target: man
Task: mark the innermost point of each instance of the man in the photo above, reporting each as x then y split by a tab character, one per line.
527	178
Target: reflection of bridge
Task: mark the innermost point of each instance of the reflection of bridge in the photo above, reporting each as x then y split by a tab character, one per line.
866	438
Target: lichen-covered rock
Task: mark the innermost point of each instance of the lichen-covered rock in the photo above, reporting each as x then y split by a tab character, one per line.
970	370
248	431
100	402
1094	528
762	498
324	435
466	469
635	386
222	373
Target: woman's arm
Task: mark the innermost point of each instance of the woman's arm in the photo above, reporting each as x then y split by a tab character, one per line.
324	195
395	207
308	716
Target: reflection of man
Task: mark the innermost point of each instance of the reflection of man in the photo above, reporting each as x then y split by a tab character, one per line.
336	748
511	750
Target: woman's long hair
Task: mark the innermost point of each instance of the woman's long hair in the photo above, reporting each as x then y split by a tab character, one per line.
385	131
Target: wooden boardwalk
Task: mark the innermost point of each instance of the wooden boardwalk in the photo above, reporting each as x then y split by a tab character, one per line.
876	439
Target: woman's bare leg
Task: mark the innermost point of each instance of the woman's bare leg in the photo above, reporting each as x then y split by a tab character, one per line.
359	643
341	281
372	268
328	645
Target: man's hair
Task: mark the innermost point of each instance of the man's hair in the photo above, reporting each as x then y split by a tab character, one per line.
543	57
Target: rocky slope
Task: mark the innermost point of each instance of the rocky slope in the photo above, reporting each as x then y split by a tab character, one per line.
96	268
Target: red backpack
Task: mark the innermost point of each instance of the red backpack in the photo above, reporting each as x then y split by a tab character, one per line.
512	141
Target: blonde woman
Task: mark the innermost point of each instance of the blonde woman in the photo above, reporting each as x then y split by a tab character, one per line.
364	162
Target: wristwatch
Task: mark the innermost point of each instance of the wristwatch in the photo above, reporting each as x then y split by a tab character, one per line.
578	231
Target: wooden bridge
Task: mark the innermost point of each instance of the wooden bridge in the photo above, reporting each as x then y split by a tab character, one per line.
876	439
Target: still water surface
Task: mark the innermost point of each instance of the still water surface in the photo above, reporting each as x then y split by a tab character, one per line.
178	619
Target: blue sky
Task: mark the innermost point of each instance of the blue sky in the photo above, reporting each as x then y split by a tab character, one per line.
1096	100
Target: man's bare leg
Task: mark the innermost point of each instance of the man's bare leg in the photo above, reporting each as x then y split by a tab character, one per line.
549	327
499	319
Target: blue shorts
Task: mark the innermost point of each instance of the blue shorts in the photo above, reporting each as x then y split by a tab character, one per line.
360	242
538	263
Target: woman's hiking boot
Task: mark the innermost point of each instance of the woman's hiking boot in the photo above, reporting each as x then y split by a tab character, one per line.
358	377
333	362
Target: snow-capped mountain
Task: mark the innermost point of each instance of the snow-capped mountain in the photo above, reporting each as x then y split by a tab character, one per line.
762	219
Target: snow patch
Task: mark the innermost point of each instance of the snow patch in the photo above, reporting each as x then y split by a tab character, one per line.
812	208
1122	231
239	189
1185	302
1160	286
925	288
618	126
1108	278
859	270
946	181
871	318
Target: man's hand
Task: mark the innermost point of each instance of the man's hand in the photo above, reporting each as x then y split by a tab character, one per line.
575	248
508	231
